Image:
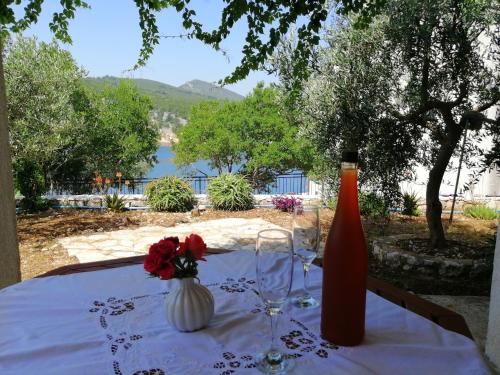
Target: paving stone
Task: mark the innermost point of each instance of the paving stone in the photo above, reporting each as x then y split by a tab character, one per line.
231	233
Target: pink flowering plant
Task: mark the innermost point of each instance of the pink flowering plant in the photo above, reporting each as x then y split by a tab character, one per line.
169	258
286	203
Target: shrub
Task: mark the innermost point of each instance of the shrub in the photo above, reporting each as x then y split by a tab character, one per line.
36	204
410	204
371	204
230	192
331	202
115	203
31	184
480	211
286	203
169	194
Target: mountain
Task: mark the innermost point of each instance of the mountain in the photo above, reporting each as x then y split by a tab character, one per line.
210	90
170	104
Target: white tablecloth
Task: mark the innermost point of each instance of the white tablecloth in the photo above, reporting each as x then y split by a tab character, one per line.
112	322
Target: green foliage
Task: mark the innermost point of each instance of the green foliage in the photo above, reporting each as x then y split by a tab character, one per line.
342	107
41	82
30	181
210	134
331	202
168	101
120	134
69	131
115	203
410	204
480	211
209	90
229	192
252	133
35	205
372	205
355	97
267	22
169	194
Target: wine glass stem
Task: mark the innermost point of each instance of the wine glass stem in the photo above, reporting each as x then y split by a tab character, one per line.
306	280
274	315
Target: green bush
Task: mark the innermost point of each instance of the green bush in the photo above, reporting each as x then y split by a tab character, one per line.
230	192
170	194
36	204
30	182
115	203
331	202
480	211
410	204
371	204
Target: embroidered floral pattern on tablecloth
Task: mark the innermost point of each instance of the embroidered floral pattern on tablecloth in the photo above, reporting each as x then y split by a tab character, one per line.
230	363
238	286
298	342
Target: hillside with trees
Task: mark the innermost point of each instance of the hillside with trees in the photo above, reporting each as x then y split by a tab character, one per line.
171	104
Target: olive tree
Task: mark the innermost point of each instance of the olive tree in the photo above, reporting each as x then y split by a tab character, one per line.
405	89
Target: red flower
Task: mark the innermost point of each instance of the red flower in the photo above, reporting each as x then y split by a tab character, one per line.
153	263
168	257
159	261
167	272
195	244
175	240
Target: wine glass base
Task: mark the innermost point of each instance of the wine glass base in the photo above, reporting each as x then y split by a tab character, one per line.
266	364
305	302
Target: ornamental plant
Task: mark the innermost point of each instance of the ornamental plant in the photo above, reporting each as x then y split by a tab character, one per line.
480	211
286	203
169	258
115	203
170	194
372	205
410	204
229	192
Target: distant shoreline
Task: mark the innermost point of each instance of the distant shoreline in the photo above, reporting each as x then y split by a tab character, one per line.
167	138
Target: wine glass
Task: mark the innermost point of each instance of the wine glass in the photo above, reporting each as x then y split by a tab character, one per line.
274	253
306	238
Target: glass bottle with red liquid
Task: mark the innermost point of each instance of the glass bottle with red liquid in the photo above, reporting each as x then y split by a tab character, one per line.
345	264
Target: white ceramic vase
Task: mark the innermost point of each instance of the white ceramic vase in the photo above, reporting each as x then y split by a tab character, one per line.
190	306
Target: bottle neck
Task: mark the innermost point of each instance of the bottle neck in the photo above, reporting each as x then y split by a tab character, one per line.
348	193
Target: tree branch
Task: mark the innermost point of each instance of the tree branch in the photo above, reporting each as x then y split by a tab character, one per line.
491	103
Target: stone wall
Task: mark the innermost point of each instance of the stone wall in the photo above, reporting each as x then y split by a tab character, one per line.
139	201
261	200
424	268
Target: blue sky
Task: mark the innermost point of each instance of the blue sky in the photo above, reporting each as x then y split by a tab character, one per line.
107	38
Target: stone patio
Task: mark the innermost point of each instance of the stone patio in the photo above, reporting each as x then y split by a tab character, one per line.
233	233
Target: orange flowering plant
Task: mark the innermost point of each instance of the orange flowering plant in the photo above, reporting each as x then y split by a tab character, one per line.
169	258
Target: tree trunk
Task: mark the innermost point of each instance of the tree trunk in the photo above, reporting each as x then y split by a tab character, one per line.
434	206
9	253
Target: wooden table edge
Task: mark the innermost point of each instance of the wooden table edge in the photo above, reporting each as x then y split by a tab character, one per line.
446	318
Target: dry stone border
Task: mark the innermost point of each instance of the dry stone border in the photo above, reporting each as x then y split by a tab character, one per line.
390	254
